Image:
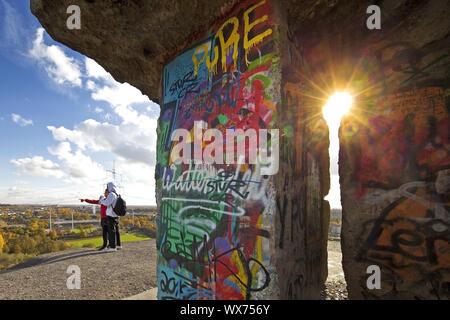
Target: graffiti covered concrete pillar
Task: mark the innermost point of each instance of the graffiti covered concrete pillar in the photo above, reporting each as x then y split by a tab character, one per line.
230	229
395	169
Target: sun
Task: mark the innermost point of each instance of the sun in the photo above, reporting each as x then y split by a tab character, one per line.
337	106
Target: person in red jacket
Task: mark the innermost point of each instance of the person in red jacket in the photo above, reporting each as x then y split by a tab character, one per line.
103	221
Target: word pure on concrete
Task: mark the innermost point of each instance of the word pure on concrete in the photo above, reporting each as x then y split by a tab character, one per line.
206	151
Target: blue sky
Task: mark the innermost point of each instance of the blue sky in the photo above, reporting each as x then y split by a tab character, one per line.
64	120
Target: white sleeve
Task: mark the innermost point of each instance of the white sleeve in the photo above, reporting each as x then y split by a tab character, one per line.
108	201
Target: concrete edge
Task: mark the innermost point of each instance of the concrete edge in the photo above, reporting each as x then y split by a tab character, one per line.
146	295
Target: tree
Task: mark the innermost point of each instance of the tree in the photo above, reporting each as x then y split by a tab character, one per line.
53	235
17	249
27	244
33	225
2	243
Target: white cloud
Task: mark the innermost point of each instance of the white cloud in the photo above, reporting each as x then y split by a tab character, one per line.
21	121
94	70
127	134
78	165
105	88
130	141
117	94
22	182
59	67
138	180
38	166
133	139
90	85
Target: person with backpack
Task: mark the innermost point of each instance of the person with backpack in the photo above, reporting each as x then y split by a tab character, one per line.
112	218
103	219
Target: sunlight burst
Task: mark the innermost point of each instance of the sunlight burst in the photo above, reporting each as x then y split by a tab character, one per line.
337	106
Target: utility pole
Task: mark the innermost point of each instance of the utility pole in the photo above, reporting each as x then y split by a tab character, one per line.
51	218
114	173
72	220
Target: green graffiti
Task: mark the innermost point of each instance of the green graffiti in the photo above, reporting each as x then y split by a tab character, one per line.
263	78
223	119
255	63
288	131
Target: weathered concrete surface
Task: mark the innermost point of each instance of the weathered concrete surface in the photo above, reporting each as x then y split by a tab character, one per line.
133	39
399	75
397	133
394	159
303	179
263	235
216	221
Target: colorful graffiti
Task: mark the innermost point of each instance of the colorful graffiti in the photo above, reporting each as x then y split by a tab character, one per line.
214	220
405	170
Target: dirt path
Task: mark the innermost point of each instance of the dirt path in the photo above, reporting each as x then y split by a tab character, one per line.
335	286
104	275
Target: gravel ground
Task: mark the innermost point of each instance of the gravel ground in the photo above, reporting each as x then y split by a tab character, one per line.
335	286
104	275
117	275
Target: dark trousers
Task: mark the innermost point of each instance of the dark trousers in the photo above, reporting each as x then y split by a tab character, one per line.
117	233
104	225
111	223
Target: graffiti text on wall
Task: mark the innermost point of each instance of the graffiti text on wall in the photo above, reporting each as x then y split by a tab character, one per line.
214	218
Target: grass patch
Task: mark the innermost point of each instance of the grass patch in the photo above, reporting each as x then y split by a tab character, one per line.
78	230
96	242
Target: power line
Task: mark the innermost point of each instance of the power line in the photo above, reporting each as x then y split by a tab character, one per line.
114	173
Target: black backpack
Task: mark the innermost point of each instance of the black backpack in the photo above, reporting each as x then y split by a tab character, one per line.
121	206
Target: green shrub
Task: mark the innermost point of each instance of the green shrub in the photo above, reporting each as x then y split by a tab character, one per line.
9	260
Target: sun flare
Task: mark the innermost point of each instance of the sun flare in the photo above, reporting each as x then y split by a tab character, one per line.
337	106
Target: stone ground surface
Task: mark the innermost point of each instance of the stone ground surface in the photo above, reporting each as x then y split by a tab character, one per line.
335	286
126	274
104	276
146	295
